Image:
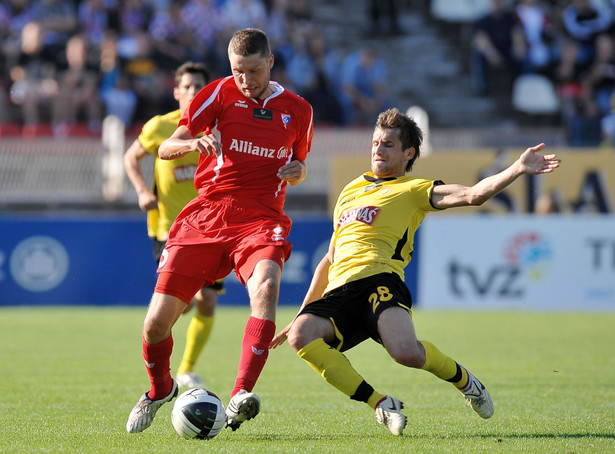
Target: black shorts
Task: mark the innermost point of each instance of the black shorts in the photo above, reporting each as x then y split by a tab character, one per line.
354	308
159	247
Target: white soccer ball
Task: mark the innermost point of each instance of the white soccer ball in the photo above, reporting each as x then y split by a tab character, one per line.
198	413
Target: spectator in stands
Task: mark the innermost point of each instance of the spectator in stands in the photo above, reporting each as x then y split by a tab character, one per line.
34	85
599	80
171	39
378	9
78	91
58	19
540	35
202	18
93	20
5	33
134	15
313	72
582	22
115	91
498	42
276	27
607	126
364	86
135	49
239	14
299	11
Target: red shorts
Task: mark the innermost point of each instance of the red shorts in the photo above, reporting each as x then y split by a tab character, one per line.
210	238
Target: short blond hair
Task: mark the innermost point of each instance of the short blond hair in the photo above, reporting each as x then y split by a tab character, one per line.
249	41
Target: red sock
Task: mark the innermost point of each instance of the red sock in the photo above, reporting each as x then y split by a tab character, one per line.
254	353
158	364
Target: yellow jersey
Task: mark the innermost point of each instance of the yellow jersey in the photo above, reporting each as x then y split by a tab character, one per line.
374	226
173	179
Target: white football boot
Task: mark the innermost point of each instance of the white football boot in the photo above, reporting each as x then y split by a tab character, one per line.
388	412
243	406
189	380
478	397
143	413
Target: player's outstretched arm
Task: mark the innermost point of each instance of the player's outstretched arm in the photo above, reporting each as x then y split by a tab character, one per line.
530	162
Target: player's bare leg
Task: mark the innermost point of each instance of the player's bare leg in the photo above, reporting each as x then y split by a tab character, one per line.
162	313
263	288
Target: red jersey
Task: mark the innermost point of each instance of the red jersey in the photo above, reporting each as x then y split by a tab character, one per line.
257	137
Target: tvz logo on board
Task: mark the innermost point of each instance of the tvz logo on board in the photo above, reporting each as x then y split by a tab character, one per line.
525	259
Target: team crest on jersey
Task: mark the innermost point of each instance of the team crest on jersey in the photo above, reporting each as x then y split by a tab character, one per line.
285	120
366	215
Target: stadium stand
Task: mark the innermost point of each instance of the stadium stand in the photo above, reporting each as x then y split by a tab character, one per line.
426	60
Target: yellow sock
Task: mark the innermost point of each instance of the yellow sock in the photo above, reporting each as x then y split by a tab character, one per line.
335	368
196	337
374	399
443	366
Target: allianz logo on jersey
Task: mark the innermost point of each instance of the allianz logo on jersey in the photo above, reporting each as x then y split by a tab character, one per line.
184	173
366	215
245	146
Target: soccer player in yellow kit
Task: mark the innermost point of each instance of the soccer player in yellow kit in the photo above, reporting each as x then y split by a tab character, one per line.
358	290
173	188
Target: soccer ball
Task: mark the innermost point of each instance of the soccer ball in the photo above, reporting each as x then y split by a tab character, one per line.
198	413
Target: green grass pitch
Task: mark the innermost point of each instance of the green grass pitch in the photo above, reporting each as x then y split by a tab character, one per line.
69	376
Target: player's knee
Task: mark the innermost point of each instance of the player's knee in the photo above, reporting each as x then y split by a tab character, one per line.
205	301
264	299
306	329
267	290
296	338
409	357
155	330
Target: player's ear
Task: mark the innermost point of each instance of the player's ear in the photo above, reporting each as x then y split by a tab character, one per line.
270	61
409	153
176	93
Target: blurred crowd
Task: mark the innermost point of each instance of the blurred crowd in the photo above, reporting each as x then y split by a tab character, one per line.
571	42
66	64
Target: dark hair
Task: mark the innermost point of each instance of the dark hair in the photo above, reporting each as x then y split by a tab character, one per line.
249	41
410	134
191	67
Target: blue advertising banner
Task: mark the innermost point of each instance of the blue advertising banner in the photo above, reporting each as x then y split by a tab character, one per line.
102	259
75	259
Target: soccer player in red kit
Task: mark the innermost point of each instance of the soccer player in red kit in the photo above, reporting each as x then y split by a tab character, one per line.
256	138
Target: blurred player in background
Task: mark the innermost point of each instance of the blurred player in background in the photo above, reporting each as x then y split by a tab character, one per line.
358	290
256	137
173	188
